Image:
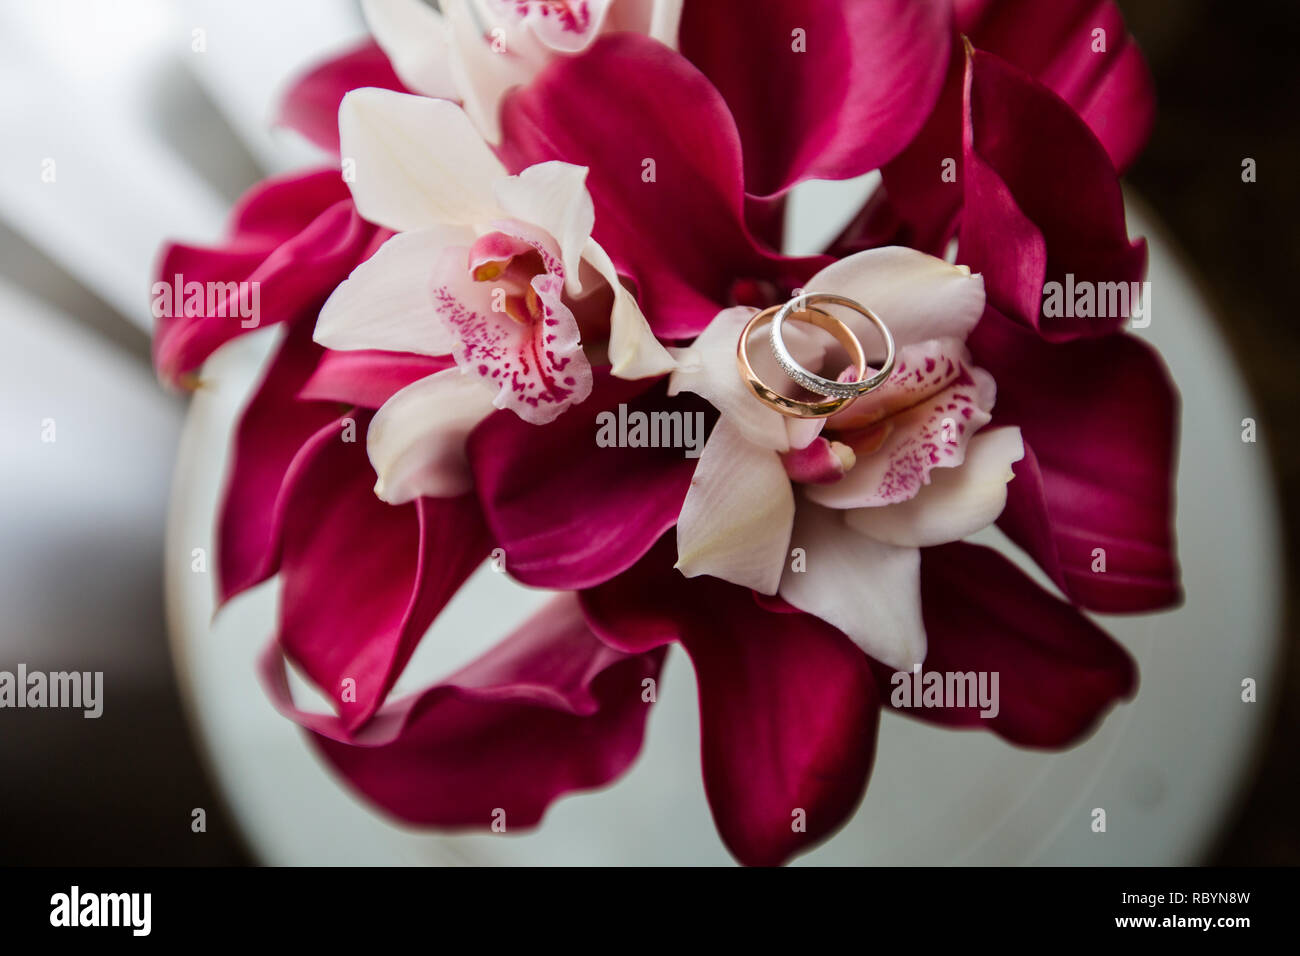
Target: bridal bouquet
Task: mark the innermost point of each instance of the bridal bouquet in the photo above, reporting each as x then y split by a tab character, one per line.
516	301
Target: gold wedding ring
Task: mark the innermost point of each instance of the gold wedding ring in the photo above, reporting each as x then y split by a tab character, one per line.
793	407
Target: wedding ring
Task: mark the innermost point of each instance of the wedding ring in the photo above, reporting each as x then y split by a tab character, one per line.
816	383
793	407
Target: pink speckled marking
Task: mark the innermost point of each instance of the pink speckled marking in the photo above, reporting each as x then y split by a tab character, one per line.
917	425
572	16
928	443
922	370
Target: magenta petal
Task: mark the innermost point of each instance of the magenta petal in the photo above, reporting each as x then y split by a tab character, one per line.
312	104
816	464
568	513
1056	43
549	711
846	104
368	377
917	204
627	103
277	209
296	237
1020	227
1111	90
270	433
363	580
1100	423
788	704
1057	671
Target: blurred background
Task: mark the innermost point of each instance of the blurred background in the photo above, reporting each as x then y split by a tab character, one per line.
120	93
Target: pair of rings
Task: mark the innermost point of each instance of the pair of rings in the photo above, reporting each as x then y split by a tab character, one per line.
802	308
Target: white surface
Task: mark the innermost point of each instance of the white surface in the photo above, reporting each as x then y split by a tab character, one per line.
1165	767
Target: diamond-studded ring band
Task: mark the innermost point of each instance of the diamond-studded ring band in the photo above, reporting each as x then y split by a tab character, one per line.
793	407
816	383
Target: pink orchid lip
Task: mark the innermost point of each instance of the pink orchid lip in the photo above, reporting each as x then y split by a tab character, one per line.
920	418
503	299
512	264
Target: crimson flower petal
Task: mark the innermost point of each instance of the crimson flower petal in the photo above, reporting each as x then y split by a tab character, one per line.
297	237
358	613
788	704
822	89
368	377
1110	88
665	174
1034	216
1099	419
269	435
1102	75
312	104
548	711
1057	671
570	514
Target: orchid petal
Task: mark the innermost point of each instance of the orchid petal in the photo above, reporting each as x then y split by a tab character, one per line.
1057	672
568	512
708	368
485	67
387	302
657	19
672	214
921	371
932	434
418	161
311	106
290	239
735	523
367	378
917	296
957	502
269	438
413	36
416	442
563	27
549	710
1110	88
868	589
788	706
634	352
1020	228
353	624
1085	484
822	462
824	90
554	197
